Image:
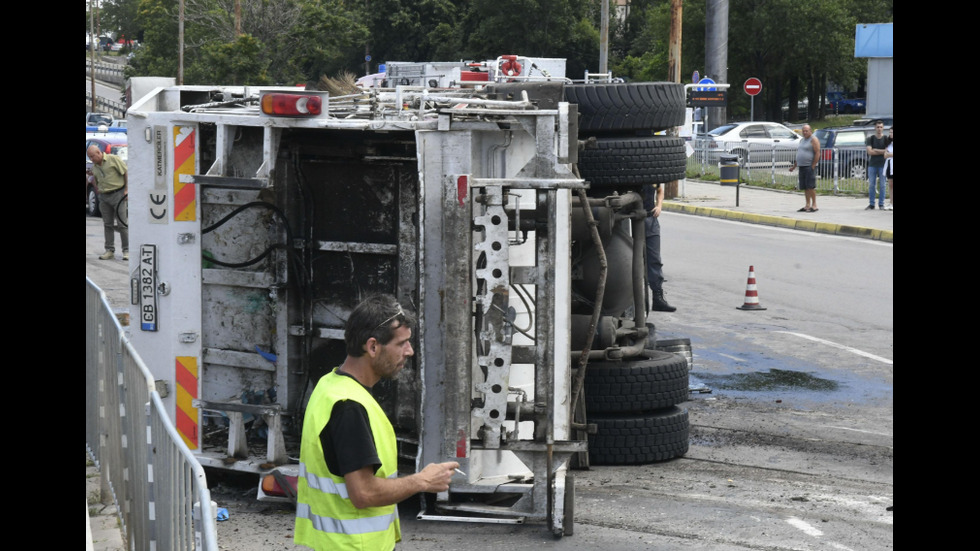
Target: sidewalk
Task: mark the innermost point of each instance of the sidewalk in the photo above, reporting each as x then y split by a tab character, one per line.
836	214
102	531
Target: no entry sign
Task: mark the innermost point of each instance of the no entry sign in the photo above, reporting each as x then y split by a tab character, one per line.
752	86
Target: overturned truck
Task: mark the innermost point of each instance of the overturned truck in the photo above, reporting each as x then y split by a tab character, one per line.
498	206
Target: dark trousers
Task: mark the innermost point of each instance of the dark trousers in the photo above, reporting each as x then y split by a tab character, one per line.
655	267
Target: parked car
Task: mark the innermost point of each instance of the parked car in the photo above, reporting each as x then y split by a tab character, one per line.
123	43
868	121
97	119
841	102
845	145
751	142
108	142
801	107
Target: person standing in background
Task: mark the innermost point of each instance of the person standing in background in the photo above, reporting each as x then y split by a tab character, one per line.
111	178
807	157
653	199
889	162
876	145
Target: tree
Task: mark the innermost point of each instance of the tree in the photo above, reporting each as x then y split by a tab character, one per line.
796	49
646	47
237	63
534	28
409	30
324	37
159	53
120	17
288	41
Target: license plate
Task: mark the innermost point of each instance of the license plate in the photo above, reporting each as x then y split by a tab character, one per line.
147	277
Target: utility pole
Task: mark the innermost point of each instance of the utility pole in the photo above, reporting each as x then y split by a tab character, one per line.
91	48
367	44
604	38
180	45
716	54
674	69
238	18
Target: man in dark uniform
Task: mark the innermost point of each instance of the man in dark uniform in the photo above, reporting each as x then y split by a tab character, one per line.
653	198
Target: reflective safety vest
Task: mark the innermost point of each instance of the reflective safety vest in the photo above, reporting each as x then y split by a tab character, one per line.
325	517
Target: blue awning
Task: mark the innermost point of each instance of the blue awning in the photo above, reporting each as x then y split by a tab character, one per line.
873	40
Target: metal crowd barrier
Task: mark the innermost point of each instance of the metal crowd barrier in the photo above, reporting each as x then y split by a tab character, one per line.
111	73
844	173
116	109
158	486
108	72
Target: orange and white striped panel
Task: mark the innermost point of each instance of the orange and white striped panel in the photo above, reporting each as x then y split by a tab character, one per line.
187	417
185	156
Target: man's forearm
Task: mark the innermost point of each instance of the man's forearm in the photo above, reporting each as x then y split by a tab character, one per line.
371	491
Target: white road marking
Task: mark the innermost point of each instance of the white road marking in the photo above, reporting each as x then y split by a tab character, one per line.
857	430
802	525
841	346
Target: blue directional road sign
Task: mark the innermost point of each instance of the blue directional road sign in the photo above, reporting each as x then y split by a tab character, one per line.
706	80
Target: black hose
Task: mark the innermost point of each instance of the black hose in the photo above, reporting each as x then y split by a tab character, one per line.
120	219
234	213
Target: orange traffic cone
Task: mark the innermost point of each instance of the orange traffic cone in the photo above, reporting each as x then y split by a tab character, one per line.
751	294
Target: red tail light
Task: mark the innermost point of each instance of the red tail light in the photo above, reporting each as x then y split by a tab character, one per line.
826	155
272	487
281	104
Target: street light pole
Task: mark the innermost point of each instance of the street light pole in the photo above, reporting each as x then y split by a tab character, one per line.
674	70
180	45
604	37
91	48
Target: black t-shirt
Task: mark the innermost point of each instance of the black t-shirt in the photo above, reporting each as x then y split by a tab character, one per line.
649	193
347	440
877	143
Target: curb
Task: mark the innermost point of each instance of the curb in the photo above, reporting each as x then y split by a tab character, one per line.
782	222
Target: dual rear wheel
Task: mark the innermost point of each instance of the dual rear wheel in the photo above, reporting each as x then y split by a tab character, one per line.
633	402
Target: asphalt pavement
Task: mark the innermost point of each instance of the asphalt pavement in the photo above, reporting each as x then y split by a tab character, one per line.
836	214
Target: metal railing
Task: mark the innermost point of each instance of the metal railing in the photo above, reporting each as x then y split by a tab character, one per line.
158	486
106	72
842	172
103	105
113	74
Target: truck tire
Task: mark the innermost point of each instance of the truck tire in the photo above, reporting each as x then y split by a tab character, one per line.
660	380
629	106
633	161
681	347
639	438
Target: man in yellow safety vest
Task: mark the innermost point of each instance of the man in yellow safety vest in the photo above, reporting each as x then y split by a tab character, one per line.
348	487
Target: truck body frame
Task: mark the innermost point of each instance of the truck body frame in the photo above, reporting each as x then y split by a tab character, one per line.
254	235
